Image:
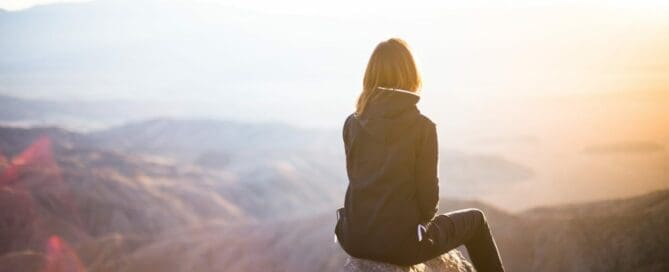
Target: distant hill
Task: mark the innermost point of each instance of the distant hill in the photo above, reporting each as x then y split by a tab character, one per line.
279	165
257	187
187	139
73	114
529	241
52	188
613	235
238	145
628	235
120	210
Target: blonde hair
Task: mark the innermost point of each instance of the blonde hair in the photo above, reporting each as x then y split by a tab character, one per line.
390	66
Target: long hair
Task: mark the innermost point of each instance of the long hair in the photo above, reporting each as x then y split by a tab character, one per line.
391	66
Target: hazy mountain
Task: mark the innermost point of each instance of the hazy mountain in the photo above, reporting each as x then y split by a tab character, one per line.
265	159
187	140
624	148
258	188
73	114
312	152
473	174
52	188
613	235
617	235
110	210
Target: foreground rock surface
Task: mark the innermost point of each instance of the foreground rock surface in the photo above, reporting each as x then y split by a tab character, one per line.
453	261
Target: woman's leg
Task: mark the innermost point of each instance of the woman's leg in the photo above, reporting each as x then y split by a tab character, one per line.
467	227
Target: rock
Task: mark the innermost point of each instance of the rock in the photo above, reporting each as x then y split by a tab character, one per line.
453	261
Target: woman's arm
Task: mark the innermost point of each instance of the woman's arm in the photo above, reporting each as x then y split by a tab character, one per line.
427	180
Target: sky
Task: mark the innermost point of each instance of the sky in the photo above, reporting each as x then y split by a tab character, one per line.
314	7
198	57
14	5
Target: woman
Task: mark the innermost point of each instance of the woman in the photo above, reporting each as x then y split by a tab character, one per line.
391	160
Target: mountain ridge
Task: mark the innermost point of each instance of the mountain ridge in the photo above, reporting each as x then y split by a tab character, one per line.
122	211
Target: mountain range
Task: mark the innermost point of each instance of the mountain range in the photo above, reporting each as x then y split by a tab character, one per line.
112	204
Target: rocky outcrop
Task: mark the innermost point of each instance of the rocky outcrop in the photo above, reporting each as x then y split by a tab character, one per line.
453	261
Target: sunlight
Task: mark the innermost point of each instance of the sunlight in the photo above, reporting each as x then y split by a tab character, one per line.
204	135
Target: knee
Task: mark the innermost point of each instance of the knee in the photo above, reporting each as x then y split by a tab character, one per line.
478	216
478	213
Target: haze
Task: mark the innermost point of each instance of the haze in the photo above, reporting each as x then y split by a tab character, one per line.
542	84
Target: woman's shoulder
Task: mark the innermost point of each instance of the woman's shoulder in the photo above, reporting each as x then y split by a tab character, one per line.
422	119
348	119
426	121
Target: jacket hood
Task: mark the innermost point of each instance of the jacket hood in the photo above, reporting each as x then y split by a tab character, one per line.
389	113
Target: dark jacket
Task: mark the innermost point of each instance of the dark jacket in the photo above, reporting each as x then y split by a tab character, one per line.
391	160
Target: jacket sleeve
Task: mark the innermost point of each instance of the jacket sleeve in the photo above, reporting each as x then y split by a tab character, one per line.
427	180
345	134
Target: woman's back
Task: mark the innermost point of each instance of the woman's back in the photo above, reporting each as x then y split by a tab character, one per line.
385	202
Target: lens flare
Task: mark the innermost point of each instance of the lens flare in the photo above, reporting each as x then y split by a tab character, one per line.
37	156
61	257
27	179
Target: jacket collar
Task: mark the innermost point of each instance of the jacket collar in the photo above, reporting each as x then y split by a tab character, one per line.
389	113
390	102
398	90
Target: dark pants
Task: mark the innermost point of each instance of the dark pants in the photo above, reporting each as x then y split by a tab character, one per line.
463	227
